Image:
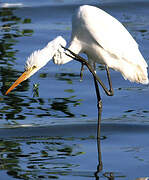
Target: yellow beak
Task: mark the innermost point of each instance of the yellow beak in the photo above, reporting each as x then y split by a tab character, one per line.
23	77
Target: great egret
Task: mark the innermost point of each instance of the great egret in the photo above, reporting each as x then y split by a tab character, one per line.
103	39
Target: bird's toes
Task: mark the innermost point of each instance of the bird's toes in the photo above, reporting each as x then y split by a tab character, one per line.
58	56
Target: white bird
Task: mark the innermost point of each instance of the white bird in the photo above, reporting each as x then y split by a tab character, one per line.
102	38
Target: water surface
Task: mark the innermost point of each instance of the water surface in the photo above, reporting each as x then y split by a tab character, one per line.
70	152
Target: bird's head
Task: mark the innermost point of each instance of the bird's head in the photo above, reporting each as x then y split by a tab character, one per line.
38	59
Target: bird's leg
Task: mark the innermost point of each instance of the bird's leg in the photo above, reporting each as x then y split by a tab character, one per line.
84	62
81	72
100	165
109	80
99	107
99	101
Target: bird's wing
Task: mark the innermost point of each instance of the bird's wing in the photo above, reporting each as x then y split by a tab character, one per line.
112	36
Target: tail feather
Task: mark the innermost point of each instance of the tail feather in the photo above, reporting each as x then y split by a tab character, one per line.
135	73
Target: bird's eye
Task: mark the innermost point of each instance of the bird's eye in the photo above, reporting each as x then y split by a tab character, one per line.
34	67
